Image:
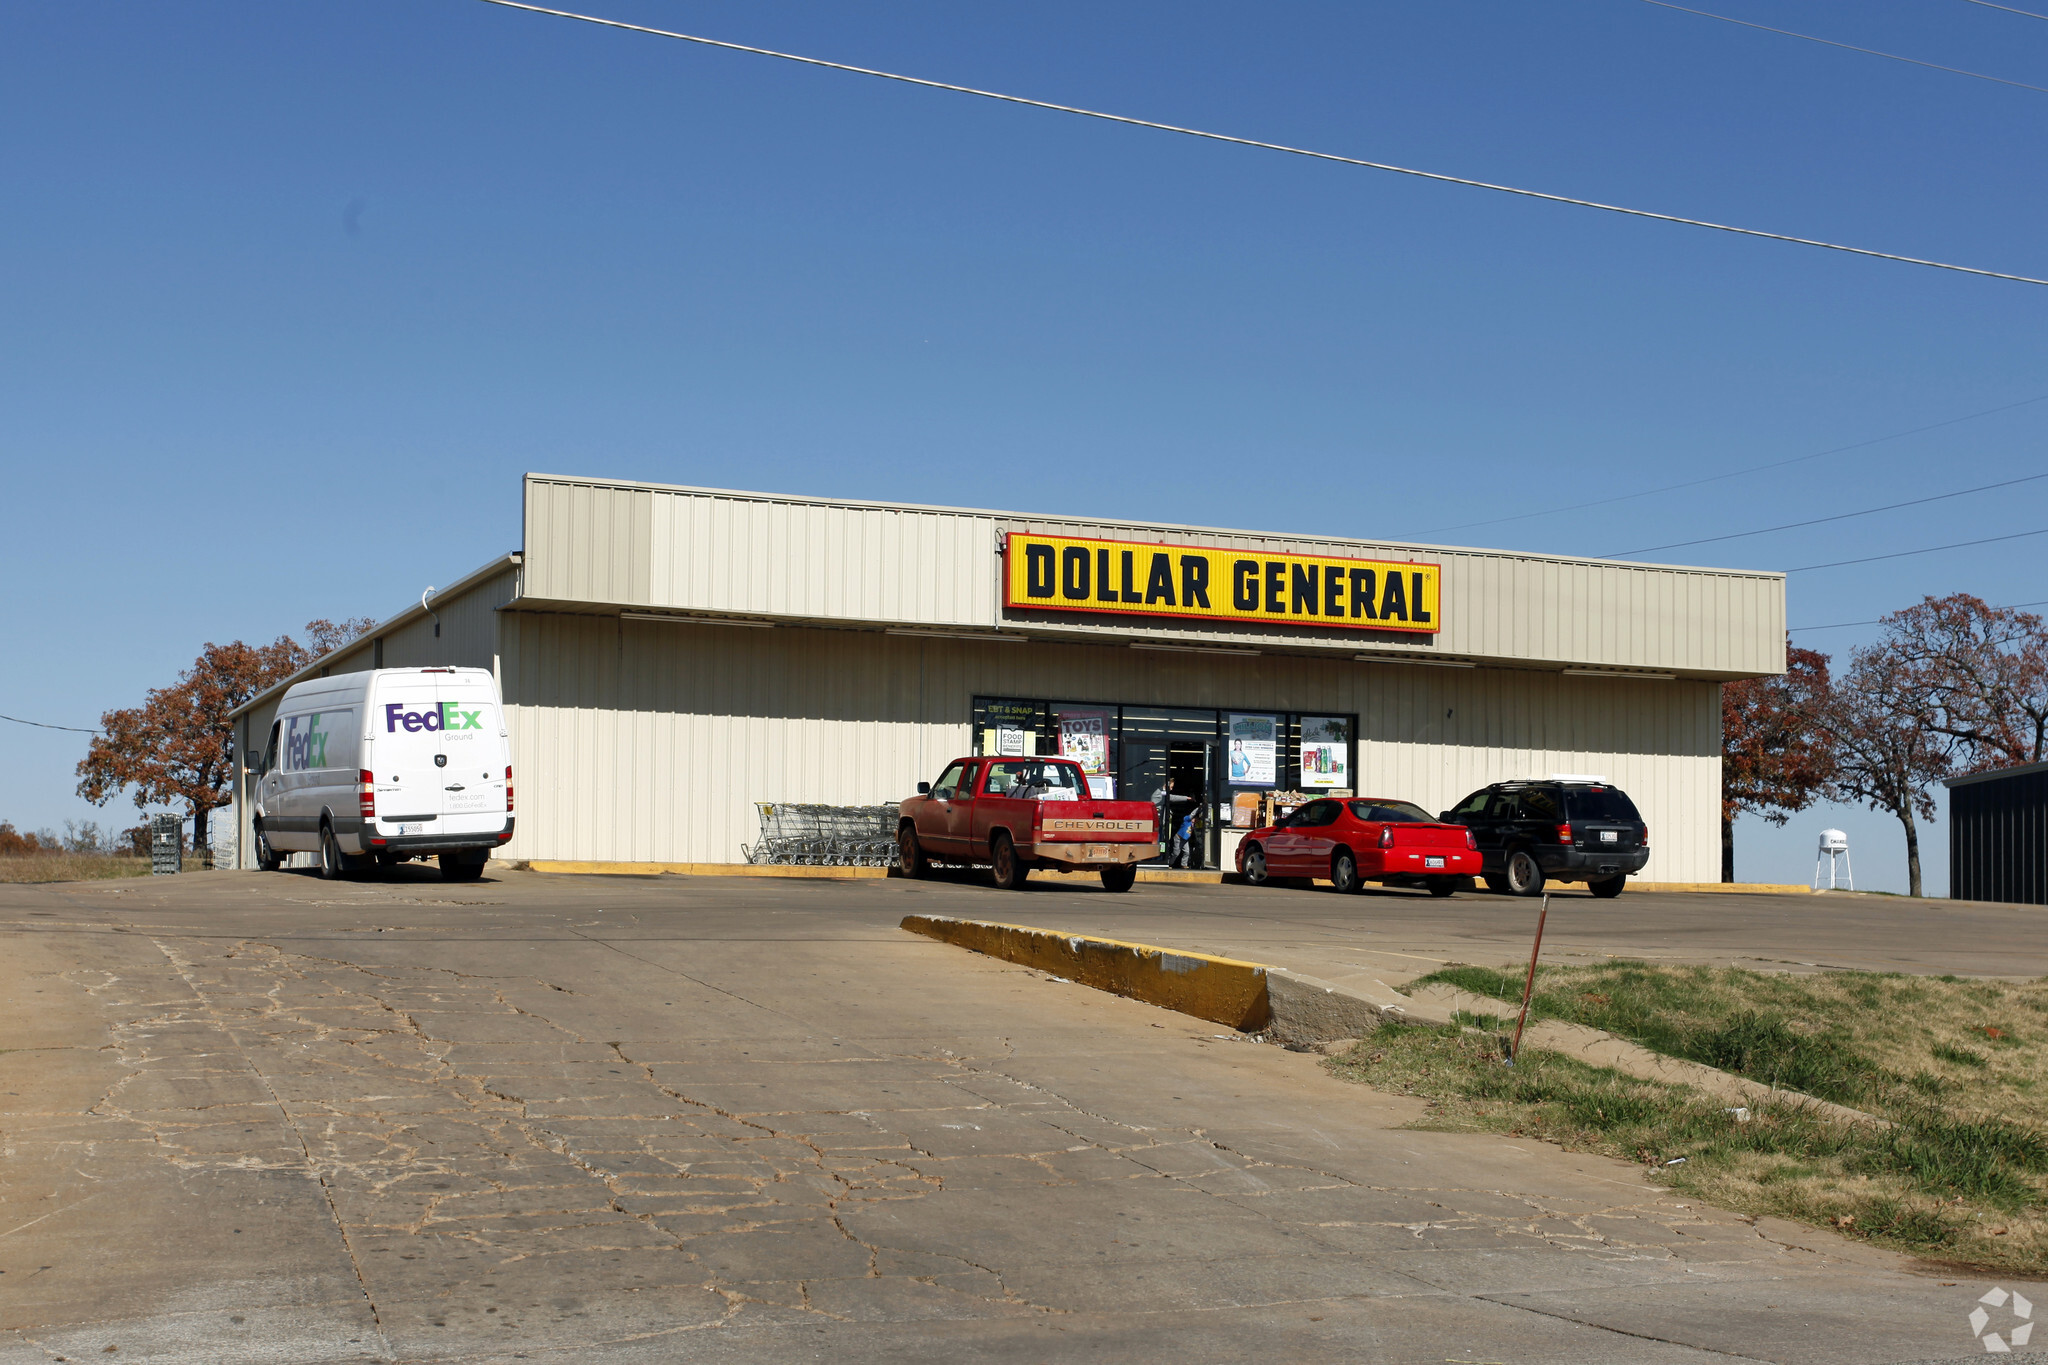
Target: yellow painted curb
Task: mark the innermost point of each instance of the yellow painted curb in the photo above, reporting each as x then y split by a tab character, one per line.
1219	989
704	870
1731	888
1177	874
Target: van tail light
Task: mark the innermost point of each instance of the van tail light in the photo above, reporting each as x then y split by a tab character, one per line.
1386	836
1471	840
508	789
1564	834
367	802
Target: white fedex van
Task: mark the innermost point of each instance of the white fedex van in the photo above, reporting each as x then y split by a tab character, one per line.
370	769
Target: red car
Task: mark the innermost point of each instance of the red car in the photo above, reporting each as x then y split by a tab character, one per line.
1355	841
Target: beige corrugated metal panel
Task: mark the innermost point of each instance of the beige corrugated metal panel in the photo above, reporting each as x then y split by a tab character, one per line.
651	742
811	559
469	628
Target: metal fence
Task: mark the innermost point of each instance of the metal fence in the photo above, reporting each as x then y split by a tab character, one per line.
824	836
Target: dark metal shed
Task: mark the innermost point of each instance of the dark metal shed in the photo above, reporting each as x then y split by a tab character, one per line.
1998	835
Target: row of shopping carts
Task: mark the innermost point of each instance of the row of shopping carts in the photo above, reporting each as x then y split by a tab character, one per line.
795	834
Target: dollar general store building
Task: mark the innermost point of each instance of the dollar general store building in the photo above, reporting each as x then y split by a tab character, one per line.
670	656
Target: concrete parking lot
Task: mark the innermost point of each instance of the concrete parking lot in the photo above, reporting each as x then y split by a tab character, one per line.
269	1118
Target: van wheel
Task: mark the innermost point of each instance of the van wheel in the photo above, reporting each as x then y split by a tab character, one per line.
456	868
331	867
1008	868
1525	874
266	856
910	854
1607	888
1120	878
1255	866
1344	872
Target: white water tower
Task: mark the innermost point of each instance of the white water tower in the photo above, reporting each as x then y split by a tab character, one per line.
1834	845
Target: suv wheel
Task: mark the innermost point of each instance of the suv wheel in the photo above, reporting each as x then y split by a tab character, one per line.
1525	874
1607	888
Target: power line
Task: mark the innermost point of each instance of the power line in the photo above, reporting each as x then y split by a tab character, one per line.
1738	473
1844	625
2008	9
1851	47
1265	146
40	726
1902	554
1840	516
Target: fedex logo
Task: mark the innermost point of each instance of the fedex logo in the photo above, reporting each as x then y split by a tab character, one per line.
445	715
305	742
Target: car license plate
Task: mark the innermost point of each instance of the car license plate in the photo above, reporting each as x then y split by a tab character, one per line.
414	828
1432	862
1609	836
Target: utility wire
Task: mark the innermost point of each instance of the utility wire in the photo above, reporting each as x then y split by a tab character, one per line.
1738	473
1840	516
40	726
1851	47
2009	9
1265	146
1902	554
1844	625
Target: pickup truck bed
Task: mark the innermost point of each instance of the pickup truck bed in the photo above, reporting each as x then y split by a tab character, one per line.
1014	814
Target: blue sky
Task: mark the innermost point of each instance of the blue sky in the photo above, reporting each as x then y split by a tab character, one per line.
292	294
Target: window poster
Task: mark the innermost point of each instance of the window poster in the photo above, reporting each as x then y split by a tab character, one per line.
1325	751
1010	742
1084	737
1254	750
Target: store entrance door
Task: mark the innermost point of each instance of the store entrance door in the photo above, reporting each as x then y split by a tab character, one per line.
1190	836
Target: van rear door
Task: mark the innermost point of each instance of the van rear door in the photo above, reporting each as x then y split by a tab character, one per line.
407	752
472	738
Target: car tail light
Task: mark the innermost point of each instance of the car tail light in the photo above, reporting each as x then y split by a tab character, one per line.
508	789
1386	836
1471	841
368	800
1564	834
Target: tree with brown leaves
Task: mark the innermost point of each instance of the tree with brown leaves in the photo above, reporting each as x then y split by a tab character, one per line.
1982	672
178	746
1776	756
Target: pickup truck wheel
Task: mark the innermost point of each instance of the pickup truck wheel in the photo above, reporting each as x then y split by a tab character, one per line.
1344	872
1008	868
1525	874
1254	866
910	854
1607	888
1120	878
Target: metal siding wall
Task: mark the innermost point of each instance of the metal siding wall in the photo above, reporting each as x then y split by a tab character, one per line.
1998	840
747	553
651	742
468	629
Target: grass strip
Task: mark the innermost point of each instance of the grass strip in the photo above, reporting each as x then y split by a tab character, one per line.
70	867
1956	1066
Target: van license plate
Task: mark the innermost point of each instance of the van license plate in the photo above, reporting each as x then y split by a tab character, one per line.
1610	836
414	828
1432	862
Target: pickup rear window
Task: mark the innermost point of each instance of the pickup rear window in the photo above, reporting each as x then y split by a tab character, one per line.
1035	780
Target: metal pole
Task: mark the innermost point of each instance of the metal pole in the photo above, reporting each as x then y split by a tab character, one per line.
1529	986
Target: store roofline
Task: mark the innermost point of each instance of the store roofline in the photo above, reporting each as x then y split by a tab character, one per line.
1970	779
1066	519
412	613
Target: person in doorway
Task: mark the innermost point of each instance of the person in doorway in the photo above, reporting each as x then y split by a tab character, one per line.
1166	804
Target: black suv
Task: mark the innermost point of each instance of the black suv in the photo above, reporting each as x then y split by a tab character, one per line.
1533	832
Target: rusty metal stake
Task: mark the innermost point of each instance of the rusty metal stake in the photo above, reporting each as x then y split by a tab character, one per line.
1529	986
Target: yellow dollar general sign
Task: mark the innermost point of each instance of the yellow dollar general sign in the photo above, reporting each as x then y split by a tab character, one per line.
1059	573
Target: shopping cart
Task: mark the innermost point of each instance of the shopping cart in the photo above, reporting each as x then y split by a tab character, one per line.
801	835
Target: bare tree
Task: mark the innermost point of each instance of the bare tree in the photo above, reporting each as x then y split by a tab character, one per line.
1888	753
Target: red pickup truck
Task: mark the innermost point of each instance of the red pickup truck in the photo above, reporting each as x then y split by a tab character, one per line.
1014	814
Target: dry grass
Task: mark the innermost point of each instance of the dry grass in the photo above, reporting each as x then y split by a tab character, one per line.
1958	1068
70	867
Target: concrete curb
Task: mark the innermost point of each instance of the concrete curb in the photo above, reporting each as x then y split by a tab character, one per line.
1219	989
702	870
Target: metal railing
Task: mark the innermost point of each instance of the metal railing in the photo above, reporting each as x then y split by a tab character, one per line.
800	835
